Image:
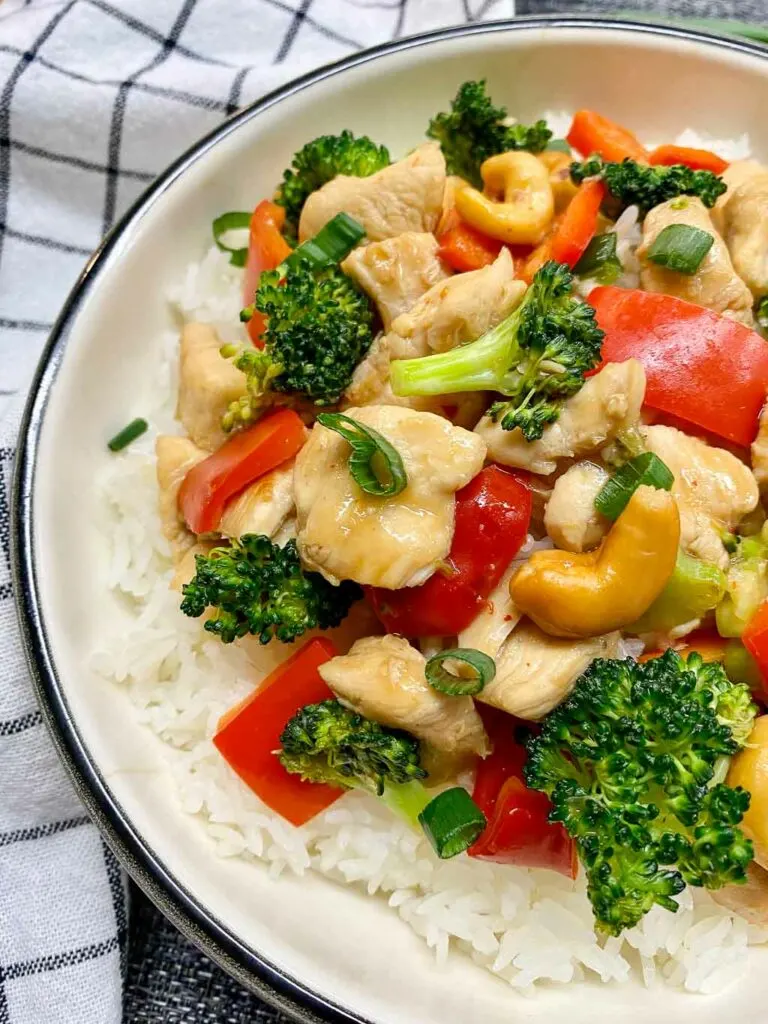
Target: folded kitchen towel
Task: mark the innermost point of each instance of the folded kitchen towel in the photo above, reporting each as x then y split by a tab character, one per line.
97	97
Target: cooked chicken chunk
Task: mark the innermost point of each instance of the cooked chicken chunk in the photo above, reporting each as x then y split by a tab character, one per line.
175	457
760	452
185	569
715	284
742	218
382	678
749	900
714	490
263	507
396	542
406	196
493	624
396	272
607	404
535	672
207	385
570	518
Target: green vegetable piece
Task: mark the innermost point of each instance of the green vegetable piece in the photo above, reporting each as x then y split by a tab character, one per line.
128	435
374	464
630	761
693	589
257	587
537	356
599	260
474	130
235	220
746	585
761	314
452	822
741	667
646	469
441	678
559	146
680	247
333	242
634	184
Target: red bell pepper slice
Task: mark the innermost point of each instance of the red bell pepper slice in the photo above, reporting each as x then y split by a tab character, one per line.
464	248
593	133
518	830
266	250
700	367
492	516
755	639
696	159
249	735
245	457
579	224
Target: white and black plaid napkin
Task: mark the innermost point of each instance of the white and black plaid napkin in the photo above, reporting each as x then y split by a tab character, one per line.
97	97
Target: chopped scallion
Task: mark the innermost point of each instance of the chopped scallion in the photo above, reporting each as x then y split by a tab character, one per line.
374	464
332	243
680	247
646	469
761	313
441	678
452	822
599	259
235	220
127	435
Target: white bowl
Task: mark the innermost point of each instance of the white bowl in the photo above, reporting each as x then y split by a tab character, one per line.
318	950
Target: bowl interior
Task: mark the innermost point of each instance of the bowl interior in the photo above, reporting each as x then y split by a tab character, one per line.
351	950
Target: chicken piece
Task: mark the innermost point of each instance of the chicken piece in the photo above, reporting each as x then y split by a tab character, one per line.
570	518
396	272
715	284
185	569
714	490
750	900
742	219
608	404
175	457
207	385
383	678
498	617
406	196
394	542
535	672
263	507
760	452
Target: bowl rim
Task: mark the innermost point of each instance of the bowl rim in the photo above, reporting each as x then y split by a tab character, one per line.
156	879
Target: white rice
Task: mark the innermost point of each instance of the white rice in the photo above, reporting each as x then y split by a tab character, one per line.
524	926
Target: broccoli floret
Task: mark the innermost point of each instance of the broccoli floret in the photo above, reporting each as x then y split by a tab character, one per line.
257	587
634	184
474	130
630	761
319	327
320	161
537	356
327	742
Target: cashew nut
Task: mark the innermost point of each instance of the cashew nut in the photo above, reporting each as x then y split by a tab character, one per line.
517	205
598	591
559	166
749	768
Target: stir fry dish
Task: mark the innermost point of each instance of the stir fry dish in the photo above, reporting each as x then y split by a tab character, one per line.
488	462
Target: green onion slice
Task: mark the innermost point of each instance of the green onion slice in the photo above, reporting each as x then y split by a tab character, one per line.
647	469
235	220
452	822
332	243
761	313
440	678
375	465
599	259
127	435
680	247
561	145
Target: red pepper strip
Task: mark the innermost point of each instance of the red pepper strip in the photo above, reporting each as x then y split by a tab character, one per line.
755	639
593	133
266	250
464	248
249	735
540	255
701	367
245	457
710	645
518	831
579	223
492	516
696	159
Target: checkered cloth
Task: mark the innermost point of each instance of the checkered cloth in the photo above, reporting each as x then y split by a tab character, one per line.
97	97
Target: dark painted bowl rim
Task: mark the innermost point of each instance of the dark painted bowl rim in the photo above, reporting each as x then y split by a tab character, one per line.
144	866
